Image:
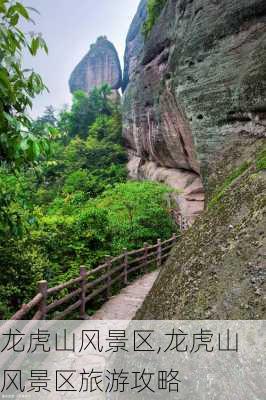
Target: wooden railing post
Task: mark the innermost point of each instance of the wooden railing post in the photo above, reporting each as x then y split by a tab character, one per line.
43	286
125	266
82	273
145	254
109	277
180	221
159	253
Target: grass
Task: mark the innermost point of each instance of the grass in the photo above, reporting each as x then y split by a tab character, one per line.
261	161
227	183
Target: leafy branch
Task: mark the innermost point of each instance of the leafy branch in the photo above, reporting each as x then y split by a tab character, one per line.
18	87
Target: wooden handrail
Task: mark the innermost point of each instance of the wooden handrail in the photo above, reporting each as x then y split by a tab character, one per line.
63	300
173	238
133	252
110	273
27	307
63	286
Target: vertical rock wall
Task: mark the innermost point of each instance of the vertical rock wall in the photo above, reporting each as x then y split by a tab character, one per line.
134	43
199	79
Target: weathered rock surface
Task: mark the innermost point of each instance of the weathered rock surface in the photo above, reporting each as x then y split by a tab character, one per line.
101	65
200	78
218	268
134	43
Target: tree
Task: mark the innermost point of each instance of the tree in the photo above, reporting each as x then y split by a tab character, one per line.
48	116
18	87
86	108
44	124
107	127
20	143
137	213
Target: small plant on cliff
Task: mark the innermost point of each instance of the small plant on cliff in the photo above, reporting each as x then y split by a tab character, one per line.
154	9
227	183
261	160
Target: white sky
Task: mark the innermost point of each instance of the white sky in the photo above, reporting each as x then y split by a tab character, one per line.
69	27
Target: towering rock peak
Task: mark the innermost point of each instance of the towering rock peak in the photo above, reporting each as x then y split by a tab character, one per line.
100	65
134	42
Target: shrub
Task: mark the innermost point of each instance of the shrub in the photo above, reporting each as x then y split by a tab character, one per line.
22	266
80	238
137	213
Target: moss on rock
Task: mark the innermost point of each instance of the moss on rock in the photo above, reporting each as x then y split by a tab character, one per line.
217	270
238	172
261	161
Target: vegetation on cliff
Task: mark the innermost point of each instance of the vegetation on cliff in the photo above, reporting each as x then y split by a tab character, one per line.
154	9
217	270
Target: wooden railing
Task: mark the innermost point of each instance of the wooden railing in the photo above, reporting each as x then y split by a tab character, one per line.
75	294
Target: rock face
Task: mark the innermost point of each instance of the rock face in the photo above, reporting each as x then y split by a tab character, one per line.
199	79
134	43
218	268
101	65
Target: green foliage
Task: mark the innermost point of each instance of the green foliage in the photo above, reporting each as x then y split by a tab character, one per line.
91	163
107	127
47	120
86	108
137	213
79	207
69	241
15	203
77	231
77	181
21	261
92	154
227	183
154	9
18	87
22	265
261	161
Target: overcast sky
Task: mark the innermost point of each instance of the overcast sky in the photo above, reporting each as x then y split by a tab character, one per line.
69	27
